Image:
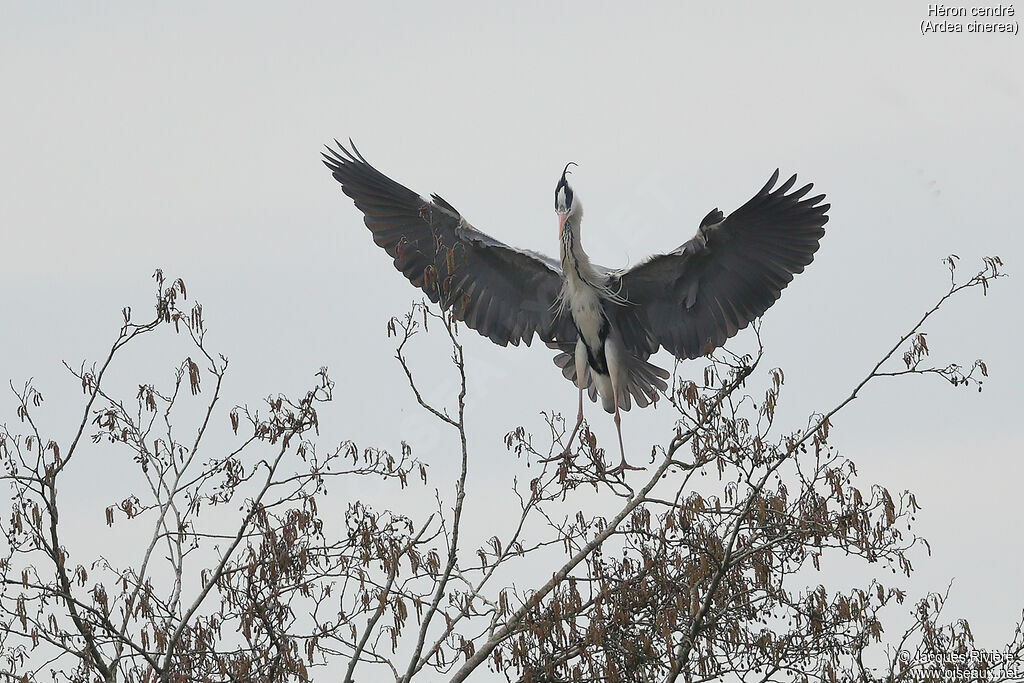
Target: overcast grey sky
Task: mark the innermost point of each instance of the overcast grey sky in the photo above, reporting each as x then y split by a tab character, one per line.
187	136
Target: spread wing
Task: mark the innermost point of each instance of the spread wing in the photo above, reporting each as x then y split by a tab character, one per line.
695	298
503	293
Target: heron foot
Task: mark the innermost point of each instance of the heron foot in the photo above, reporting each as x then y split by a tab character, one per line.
619	469
564	455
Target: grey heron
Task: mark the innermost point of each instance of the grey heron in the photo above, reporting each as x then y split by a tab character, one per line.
605	324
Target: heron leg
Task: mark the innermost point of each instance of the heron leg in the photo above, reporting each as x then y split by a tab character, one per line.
623	465
579	421
568	444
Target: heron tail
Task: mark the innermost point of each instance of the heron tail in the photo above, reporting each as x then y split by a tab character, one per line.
646	380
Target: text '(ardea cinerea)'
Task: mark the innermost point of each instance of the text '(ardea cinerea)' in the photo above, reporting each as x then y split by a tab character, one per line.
605	323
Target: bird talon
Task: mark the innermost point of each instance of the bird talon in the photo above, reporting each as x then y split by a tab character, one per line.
564	455
621	468
508	295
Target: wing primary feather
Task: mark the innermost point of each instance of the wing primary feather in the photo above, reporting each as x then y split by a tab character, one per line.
705	291
493	279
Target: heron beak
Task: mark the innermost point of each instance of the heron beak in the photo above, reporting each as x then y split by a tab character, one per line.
561	223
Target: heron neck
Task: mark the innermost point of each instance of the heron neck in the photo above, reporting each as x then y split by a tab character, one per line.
575	262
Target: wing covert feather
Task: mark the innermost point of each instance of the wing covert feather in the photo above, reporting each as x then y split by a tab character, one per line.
505	294
693	299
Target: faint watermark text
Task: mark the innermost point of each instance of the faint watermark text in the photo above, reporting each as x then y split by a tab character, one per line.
943	19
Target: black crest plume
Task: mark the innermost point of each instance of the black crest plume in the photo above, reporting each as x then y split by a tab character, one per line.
563	184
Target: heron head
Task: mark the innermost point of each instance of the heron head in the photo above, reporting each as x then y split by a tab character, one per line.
566	202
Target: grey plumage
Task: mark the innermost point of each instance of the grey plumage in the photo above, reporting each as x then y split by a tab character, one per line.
646	380
693	299
505	294
605	324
